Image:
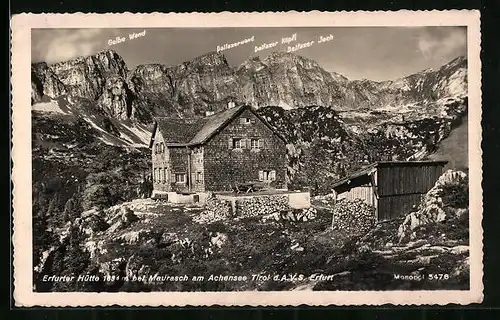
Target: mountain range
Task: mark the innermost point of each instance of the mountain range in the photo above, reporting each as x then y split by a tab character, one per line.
208	82
333	125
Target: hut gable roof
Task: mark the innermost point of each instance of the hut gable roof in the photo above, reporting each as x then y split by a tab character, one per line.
214	123
372	167
176	130
187	132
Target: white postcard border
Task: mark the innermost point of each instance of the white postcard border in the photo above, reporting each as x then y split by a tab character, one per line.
21	26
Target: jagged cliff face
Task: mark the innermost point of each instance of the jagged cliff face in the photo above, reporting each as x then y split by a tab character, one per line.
92	77
116	98
208	83
86	77
289	81
45	82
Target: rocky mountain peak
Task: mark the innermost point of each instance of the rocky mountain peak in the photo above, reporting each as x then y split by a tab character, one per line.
290	59
207	62
86	76
211	58
460	60
339	77
190	88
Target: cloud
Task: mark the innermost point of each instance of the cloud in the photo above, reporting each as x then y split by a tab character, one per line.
441	43
53	45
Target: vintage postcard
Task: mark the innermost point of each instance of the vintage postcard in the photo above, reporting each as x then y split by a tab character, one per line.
247	159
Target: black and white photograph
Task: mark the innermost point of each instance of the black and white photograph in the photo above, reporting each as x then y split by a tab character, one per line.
250	159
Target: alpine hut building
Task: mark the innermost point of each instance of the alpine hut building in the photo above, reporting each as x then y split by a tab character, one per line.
215	153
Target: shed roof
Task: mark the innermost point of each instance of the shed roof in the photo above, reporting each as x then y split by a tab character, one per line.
188	132
372	167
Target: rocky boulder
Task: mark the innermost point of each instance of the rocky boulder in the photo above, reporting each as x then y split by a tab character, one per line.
112	268
448	199
120	217
91	222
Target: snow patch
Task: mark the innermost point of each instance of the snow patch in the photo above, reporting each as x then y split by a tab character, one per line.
51	106
139	130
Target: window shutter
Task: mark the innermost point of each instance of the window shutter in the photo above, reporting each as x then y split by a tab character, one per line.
230	145
273	175
261	175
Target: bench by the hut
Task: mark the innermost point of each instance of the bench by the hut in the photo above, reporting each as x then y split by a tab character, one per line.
392	187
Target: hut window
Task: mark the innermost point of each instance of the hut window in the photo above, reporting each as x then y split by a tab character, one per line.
162	175
197	150
256	143
238	143
159	147
267	175
180	178
199	177
245	121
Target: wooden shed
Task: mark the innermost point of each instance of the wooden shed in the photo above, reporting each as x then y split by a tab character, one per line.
392	187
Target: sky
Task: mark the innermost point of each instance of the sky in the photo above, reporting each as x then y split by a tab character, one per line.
375	53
